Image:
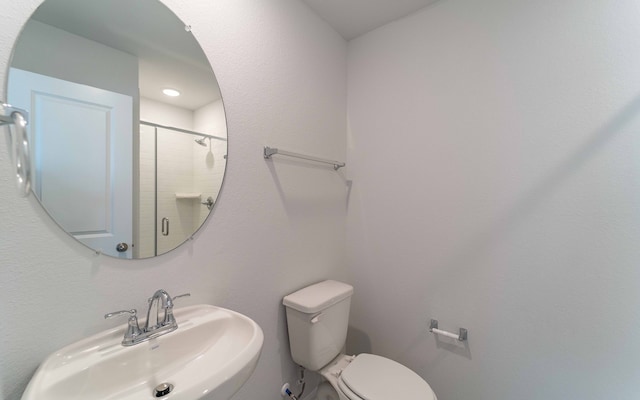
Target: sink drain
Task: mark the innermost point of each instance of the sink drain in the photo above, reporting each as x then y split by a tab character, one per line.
162	389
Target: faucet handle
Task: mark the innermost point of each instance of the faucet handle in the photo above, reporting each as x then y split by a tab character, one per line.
133	329
131	313
169	319
181	295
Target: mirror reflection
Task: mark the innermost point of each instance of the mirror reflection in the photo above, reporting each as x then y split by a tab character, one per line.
126	123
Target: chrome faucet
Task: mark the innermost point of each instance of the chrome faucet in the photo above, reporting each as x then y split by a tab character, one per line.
159	296
159	300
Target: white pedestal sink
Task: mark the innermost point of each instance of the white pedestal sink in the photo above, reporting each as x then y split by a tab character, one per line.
211	355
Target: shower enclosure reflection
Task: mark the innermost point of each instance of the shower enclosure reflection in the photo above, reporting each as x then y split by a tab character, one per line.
179	170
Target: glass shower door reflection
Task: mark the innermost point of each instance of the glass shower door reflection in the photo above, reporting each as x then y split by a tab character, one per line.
145	229
180	175
177	199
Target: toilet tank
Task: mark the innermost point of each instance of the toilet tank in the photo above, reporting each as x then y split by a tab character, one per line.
317	320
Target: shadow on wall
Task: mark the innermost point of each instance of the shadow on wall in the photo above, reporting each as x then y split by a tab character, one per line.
532	198
452	346
358	341
286	362
290	204
526	205
17	388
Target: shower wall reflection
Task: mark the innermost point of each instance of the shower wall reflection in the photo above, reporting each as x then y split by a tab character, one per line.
176	173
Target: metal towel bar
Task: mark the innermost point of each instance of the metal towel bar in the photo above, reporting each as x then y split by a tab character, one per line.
270	151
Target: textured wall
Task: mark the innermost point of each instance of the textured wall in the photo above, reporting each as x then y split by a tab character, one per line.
494	154
277	225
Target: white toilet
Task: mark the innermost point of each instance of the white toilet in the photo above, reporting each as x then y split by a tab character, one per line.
317	319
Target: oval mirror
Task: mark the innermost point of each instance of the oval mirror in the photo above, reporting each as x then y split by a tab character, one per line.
126	122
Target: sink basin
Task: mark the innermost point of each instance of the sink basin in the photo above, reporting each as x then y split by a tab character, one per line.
211	355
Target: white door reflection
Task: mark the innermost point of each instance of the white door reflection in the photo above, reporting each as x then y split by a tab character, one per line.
93	128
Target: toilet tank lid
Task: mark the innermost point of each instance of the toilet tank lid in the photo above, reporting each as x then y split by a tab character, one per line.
318	297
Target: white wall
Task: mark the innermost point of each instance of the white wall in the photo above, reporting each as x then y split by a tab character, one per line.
166	114
47	50
210	119
494	155
277	226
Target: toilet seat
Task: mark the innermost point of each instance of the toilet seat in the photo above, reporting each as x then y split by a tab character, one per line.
371	377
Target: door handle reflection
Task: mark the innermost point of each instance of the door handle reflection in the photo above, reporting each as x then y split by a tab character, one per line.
165	226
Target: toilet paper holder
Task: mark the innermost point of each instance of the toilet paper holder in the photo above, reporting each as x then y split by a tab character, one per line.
461	336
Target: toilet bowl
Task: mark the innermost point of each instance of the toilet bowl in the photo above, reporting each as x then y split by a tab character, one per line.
317	321
372	377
